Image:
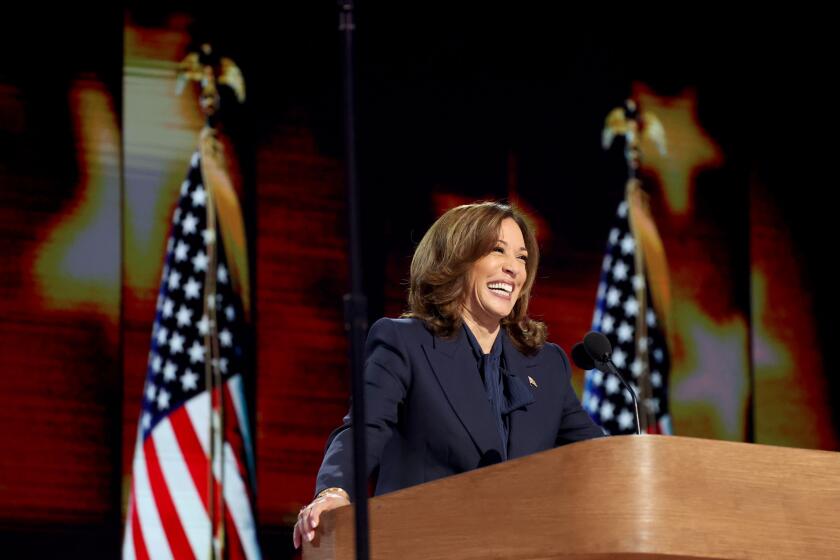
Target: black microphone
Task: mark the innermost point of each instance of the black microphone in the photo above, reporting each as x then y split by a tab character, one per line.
581	357
596	350
597	346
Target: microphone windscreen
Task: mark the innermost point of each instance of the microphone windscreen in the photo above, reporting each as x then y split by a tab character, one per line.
597	345
581	358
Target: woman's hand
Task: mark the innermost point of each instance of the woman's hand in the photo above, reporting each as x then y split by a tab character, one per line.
310	516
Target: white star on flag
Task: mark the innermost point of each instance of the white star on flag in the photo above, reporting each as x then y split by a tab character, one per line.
169	371
607	324
181	252
203	326
168	306
161	336
622	210
196	352
163	400
628	245
619	271
188	380
176	343
613	297
592	403
174	280
631	307
638	282
199	262
625	419
199	196
624	332
184	316
619	357
656	379
189	224
192	289
606	410
611	386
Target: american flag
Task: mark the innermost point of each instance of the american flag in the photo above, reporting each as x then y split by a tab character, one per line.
192	491
640	350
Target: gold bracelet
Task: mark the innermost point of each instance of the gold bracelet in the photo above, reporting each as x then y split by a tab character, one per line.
334	490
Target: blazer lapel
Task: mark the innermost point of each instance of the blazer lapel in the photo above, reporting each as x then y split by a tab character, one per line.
521	396
455	367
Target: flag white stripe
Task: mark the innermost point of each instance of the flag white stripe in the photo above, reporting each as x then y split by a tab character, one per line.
128	541
237	397
236	498
235	492
185	496
129	553
154	536
198	409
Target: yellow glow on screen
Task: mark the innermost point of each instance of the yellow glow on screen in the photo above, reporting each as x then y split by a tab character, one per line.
690	148
77	266
161	133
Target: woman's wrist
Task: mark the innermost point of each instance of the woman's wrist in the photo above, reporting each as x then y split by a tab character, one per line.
335	492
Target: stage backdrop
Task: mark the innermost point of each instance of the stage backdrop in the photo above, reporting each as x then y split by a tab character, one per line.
455	108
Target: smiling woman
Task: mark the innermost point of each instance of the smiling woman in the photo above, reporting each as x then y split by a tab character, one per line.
494	284
463	380
464	251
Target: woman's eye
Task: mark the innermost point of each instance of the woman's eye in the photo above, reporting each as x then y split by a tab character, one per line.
524	258
499	250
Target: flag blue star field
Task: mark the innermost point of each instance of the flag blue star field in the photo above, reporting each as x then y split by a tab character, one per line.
640	350
192	475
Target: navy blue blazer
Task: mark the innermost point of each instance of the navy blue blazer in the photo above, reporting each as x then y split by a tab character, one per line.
428	415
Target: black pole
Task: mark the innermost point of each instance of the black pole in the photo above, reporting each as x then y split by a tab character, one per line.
355	303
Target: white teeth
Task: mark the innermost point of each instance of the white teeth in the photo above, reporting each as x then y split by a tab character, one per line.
500	286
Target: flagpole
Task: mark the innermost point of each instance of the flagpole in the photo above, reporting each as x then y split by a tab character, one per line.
355	303
215	386
632	196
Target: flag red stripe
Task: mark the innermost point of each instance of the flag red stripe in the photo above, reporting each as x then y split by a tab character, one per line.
194	456
140	552
178	542
233	545
233	434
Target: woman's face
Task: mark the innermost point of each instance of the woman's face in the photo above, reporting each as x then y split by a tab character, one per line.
496	279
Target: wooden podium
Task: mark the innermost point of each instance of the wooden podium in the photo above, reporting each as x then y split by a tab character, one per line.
619	497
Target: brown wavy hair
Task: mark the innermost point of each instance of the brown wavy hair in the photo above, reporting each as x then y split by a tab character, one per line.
442	261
